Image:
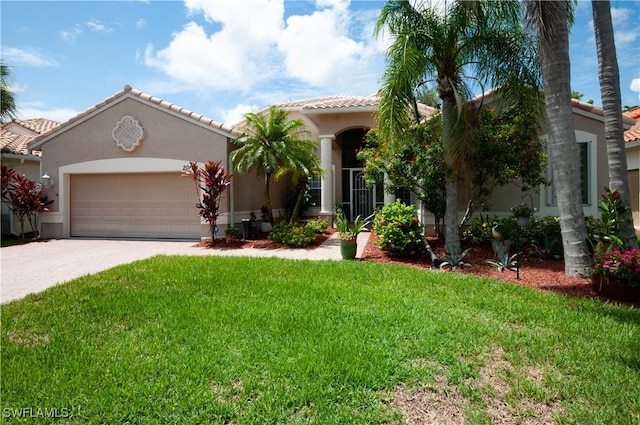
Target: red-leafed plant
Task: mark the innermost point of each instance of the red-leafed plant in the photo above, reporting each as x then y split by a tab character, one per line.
211	180
24	199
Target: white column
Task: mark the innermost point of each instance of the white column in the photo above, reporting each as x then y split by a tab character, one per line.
326	190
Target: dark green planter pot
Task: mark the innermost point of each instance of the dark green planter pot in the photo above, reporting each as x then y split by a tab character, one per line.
348	249
614	289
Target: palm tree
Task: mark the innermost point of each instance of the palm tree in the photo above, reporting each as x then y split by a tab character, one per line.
270	142
612	106
429	43
8	107
307	166
550	20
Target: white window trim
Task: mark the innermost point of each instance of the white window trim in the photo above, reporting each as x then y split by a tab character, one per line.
546	196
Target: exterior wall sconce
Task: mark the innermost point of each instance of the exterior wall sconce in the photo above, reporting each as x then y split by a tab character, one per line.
47	181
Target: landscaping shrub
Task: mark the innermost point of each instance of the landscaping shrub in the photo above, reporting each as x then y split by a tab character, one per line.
292	234
542	233
318	225
398	229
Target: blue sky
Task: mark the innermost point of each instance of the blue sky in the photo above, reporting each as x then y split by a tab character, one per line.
222	58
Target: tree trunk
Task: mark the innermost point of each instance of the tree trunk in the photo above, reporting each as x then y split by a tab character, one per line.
451	228
302	185
562	141
267	197
611	104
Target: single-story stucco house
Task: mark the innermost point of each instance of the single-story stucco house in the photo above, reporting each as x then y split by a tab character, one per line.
116	167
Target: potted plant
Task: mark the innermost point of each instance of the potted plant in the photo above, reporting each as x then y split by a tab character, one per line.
265	225
616	274
231	233
349	234
522	213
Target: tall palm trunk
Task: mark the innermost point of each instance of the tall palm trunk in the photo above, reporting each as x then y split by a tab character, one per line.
554	55
611	104
452	230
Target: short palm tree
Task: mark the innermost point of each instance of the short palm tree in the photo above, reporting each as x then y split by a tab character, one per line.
8	107
271	142
307	167
482	41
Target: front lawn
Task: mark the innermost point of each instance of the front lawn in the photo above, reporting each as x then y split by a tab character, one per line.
273	341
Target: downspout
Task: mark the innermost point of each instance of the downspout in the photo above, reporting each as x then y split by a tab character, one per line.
231	195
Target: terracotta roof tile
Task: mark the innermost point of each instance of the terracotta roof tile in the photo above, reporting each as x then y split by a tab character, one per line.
17	140
633	113
128	90
632	135
331	102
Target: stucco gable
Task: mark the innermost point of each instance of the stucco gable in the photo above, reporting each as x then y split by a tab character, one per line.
129	92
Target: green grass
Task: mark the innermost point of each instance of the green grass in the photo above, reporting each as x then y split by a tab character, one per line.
271	341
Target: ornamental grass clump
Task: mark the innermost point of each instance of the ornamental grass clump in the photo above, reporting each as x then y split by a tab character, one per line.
620	264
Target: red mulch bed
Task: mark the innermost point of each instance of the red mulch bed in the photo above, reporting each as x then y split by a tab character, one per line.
546	275
262	242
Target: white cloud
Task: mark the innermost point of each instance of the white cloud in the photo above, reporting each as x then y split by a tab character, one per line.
235	57
97	26
141	23
247	44
31	57
620	15
635	86
71	35
317	47
39	110
235	115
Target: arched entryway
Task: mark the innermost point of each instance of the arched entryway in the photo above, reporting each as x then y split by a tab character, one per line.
357	198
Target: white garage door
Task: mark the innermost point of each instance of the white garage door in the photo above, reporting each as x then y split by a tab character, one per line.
156	205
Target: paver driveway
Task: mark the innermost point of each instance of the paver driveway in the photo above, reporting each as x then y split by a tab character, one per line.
36	266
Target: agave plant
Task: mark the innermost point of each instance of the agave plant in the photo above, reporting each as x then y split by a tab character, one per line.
504	261
451	260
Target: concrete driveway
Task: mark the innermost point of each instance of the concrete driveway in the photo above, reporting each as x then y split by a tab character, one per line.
36	266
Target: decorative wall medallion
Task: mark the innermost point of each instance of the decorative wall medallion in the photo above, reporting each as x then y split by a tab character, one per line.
128	133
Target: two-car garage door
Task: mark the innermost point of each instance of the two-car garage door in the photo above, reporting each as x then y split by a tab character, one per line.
144	205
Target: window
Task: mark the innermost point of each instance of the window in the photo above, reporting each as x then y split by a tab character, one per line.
584	156
315	185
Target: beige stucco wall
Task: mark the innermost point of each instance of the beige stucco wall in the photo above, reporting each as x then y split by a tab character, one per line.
633	165
589	128
87	146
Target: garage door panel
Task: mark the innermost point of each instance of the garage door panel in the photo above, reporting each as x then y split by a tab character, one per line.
157	205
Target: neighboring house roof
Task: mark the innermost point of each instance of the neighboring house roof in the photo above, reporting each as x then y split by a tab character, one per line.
632	135
633	113
133	93
17	136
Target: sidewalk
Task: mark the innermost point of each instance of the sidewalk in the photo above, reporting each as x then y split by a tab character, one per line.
36	266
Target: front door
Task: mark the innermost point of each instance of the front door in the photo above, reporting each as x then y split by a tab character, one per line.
357	198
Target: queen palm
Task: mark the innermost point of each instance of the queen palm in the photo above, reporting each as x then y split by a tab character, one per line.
453	43
612	108
550	20
271	142
8	106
